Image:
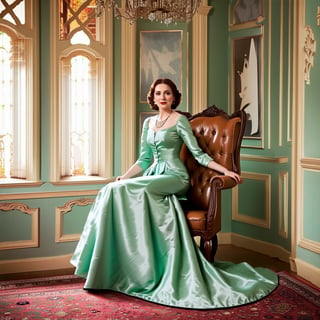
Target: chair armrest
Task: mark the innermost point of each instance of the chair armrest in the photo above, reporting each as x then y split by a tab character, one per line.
218	183
222	182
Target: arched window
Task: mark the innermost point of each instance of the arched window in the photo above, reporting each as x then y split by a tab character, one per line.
81	93
19	135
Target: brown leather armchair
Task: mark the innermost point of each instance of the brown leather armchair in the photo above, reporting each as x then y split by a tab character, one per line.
220	136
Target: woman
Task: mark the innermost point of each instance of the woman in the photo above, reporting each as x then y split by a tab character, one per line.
136	239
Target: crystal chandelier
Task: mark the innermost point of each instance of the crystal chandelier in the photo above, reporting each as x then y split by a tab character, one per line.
165	11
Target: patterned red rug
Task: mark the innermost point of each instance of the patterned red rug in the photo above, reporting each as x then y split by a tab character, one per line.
62	297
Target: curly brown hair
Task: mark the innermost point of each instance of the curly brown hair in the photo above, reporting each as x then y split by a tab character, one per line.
175	92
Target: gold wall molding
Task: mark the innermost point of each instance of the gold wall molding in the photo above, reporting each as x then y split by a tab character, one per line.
310	163
285	59
269	80
281	67
60	212
49	194
34	212
283	209
249	157
35	264
242	217
267	248
311	245
247	25
200	58
298	95
128	93
290	72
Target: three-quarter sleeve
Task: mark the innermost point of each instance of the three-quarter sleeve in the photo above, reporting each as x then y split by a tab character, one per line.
185	132
145	155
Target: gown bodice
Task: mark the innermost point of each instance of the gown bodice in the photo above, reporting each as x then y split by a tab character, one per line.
160	150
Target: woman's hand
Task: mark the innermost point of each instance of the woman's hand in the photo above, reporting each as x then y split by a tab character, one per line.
218	167
132	172
233	175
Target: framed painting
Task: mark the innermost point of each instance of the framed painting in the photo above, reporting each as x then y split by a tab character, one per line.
246	83
247	10
160	57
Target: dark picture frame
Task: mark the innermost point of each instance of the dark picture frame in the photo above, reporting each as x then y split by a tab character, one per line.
247	10
160	57
246	82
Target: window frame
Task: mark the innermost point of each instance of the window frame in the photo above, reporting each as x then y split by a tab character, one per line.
102	49
30	32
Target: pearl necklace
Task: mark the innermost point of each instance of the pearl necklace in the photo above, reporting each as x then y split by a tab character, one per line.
160	123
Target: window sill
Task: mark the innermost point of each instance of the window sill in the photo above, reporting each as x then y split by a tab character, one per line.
82	181
19	183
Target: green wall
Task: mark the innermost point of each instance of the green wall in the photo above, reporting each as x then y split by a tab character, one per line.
309	112
266	162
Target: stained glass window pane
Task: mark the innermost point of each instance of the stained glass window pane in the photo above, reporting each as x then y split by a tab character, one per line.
13	11
77	15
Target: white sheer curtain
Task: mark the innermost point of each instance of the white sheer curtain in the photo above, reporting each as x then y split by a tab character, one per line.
79	132
13	107
6	107
20	111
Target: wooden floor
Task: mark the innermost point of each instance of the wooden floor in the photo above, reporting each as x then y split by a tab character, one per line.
224	253
237	255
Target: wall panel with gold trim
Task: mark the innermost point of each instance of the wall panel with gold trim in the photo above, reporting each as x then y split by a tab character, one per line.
19	226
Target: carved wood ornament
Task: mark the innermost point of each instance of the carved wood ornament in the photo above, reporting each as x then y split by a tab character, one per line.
61	211
34	232
309	52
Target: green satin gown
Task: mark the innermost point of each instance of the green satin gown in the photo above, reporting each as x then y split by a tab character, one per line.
136	239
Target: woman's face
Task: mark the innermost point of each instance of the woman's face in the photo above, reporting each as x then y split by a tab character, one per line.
163	96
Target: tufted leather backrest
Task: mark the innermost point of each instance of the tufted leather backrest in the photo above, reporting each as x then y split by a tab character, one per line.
220	136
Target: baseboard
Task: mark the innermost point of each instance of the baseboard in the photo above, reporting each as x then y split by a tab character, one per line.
308	272
63	261
266	248
35	264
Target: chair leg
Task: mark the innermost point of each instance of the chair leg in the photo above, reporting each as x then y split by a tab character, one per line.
214	241
209	247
